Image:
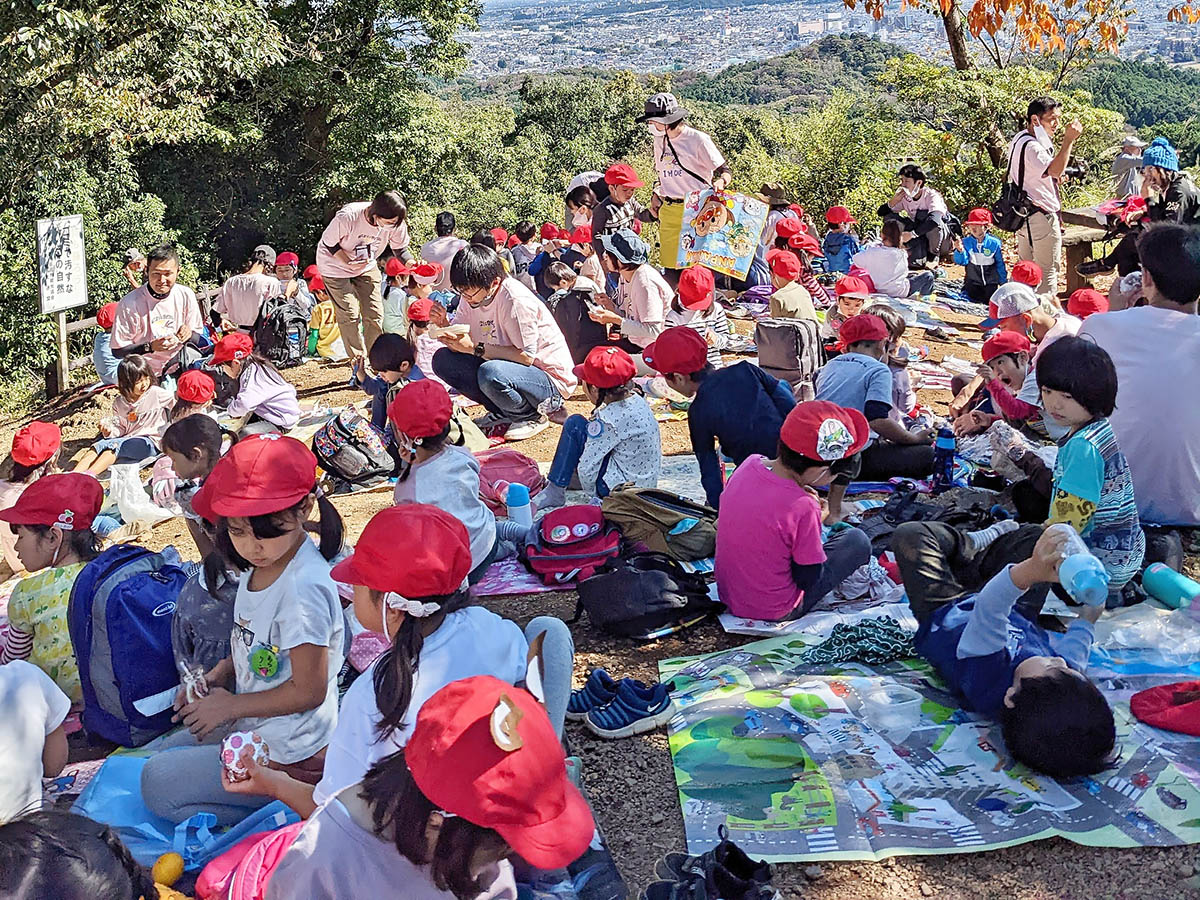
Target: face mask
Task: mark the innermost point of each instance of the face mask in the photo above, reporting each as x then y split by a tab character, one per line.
1042	137
651	130
580	218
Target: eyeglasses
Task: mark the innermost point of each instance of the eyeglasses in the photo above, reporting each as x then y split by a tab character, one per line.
245	634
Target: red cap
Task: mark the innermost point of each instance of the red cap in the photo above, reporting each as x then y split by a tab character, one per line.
839	215
233	346
420	310
261	474
421	409
509	772
36	443
622	175
1004	342
862	328
806	242
69	501
783	263
432	560
606	367
1085	302
500	236
679	350
395	266
1027	272
582	235
195	386
287	258
822	430
427	273
696	286
511	242
852	286
979	216
310	271
316	283
106	315
789	227
549	231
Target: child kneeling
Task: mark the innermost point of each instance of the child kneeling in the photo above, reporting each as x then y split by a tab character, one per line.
989	649
770	561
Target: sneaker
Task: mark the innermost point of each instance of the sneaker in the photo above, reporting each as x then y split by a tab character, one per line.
1093	267
727	854
599	690
491	420
635	710
676	890
520	431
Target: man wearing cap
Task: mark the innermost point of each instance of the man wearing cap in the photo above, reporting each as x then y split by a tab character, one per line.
34	454
241	298
791	300
1127	168
158	318
620	209
738	409
981	255
102	356
685	160
923	215
443	248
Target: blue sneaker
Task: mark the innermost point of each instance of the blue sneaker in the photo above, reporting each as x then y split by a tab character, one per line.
635	710
599	690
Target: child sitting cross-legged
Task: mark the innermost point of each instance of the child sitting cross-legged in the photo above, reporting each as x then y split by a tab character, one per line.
771	563
139	417
978	613
619	444
264	400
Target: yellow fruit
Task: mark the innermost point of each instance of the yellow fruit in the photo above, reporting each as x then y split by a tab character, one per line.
167	869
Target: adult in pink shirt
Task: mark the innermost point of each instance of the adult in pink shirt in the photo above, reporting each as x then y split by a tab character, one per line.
348	259
242	296
514	360
443	248
158	318
924	216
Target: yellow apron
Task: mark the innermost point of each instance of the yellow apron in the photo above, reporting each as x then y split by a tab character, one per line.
670	223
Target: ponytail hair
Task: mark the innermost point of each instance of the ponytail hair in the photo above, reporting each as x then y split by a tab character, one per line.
395	669
191	433
270	525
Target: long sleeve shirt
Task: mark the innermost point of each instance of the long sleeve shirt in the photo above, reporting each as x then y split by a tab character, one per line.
266	394
1010	407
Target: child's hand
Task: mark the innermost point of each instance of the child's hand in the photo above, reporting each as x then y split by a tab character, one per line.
985	372
437	316
604	316
207	714
257	784
1042	565
958	245
1090	613
107	429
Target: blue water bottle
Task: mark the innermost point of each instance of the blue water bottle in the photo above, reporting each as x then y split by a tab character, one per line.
1081	574
943	460
1169	587
516	498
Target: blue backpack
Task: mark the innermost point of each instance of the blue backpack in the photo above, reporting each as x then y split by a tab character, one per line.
119	617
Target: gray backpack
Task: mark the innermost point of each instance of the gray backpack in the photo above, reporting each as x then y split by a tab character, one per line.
790	350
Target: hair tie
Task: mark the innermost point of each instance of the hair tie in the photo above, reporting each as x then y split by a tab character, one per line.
420	610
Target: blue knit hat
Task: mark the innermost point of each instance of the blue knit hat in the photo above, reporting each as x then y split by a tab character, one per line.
1160	153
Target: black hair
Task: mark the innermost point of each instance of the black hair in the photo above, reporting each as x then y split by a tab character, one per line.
388	205
184	409
481	238
54	853
162	253
913	171
525	231
559	273
20	473
193	433
268	525
258	359
894	321
475	267
798	462
394	672
390	352
1083	369
1059	724
444	224
80	541
258	257
433	443
132	369
1171	254
1039	106
400	811
891	232
615	394
581	196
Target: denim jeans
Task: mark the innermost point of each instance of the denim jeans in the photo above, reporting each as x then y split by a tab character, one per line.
570	451
504	388
920	283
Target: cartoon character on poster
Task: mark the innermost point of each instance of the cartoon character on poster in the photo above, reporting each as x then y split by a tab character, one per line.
721	230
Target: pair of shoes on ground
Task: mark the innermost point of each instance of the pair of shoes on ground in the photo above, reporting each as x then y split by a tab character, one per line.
619	709
512	431
722	873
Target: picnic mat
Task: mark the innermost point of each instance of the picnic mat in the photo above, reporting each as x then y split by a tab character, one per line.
784	756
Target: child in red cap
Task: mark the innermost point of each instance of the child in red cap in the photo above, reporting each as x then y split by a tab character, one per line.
263	400
841	243
620	209
981	255
1004	369
280	680
738	409
35	450
483	778
194	393
413	592
790	299
619	443
291	286
52	520
770	561
140	415
102	356
324	334
852	296
695	305
590	268
395	295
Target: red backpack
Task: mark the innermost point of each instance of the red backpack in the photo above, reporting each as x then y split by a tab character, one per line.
498	468
571	543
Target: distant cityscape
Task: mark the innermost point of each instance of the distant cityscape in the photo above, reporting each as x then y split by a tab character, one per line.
709	35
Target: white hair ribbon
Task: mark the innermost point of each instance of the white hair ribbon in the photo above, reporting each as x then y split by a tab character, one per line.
392	600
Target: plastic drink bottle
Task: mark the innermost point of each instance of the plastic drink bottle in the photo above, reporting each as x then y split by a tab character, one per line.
1169	587
517	500
943	459
1081	574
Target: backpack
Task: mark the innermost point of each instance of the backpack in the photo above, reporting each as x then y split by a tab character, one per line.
789	349
351	451
570	544
663	521
498	468
281	333
645	596
906	507
119	616
1013	207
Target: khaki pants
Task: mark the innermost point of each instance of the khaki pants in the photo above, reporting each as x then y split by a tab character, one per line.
358	300
1040	240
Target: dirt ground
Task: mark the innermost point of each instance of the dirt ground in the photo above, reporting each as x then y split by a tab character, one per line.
631	782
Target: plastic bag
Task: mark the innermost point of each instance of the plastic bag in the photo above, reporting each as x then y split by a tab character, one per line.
125	489
1173	637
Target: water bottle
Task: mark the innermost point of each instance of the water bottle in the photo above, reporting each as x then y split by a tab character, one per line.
517	500
943	460
1081	574
1169	587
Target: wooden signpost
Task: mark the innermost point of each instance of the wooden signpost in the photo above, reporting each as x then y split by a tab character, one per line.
62	281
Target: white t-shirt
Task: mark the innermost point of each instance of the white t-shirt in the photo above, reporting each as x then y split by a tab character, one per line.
350	230
442	250
1040	187
472	641
888	268
1156	353
694	150
449	480
929	201
301	607
242	297
31	707
334	857
142	319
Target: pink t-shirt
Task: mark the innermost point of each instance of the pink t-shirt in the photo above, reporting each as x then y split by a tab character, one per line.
442	250
766	524
643	303
242	297
351	231
591	269
142	319
517	317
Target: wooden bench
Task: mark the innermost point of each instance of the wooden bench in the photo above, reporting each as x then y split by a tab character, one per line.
1077	243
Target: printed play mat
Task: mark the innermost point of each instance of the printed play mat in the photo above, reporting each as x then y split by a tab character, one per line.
790	758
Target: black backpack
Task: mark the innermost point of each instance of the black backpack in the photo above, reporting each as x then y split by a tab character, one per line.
906	507
281	333
1013	207
645	596
351	452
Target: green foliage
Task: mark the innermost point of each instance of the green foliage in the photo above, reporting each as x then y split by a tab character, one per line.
1148	95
